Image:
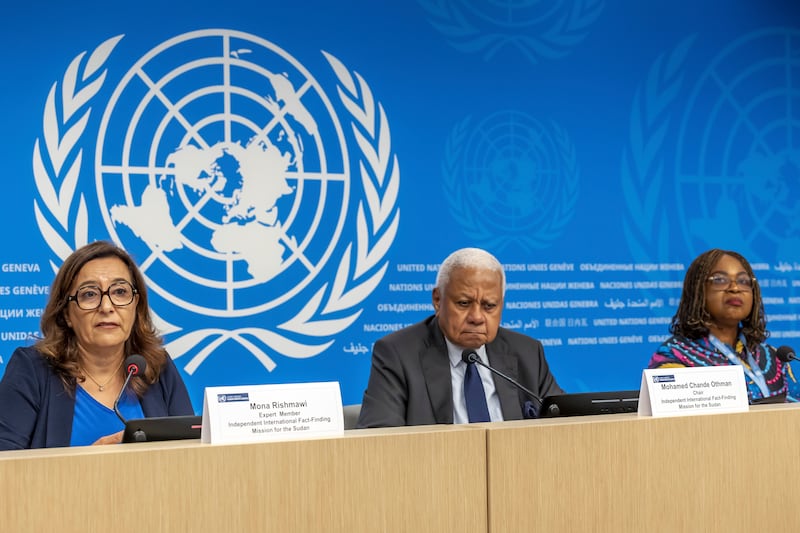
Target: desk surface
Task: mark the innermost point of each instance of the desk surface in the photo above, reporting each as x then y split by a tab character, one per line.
403	479
620	473
624	473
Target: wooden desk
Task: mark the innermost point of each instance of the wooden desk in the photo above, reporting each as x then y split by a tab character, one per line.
392	480
621	473
615	473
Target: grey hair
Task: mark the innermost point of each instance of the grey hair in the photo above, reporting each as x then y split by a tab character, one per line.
468	258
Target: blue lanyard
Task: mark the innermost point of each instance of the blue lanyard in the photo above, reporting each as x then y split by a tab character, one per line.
753	372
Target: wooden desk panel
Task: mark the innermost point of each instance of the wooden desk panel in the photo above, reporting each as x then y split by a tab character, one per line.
616	473
392	480
620	473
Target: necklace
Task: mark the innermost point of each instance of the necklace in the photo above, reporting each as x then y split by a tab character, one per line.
101	386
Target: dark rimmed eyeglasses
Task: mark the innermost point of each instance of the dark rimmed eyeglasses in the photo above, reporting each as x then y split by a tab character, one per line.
721	282
89	298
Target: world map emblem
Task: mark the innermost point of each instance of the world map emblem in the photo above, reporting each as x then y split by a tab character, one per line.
223	166
522	173
738	162
717	149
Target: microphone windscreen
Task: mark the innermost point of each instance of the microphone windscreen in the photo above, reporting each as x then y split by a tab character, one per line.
529	410
135	364
786	354
469	356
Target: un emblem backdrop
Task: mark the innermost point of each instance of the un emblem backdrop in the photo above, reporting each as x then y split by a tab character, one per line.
256	158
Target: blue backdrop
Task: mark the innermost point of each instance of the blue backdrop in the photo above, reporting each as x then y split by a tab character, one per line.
290	175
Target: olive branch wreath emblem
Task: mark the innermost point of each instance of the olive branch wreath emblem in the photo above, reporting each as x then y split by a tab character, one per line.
57	163
563	25
646	225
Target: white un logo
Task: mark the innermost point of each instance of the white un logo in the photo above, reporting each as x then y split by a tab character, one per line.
223	156
223	167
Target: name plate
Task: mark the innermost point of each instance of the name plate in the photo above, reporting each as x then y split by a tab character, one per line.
693	391
256	413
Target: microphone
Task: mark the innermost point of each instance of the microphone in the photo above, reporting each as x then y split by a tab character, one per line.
530	410
134	365
786	354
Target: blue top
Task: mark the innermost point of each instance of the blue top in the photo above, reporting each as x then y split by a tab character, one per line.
93	420
36	411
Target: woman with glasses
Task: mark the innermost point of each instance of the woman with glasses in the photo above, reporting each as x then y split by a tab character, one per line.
720	321
62	390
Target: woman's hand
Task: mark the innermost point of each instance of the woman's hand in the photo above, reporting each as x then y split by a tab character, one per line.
114	438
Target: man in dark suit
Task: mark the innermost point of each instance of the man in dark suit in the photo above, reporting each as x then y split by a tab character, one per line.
418	375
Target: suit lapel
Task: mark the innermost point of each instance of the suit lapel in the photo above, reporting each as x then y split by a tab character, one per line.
500	358
436	368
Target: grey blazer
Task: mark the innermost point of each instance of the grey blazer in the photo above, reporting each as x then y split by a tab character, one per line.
409	382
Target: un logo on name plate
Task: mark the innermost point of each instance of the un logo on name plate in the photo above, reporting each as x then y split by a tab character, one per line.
222	164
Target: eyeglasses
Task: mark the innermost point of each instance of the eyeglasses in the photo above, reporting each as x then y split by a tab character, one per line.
721	282
89	298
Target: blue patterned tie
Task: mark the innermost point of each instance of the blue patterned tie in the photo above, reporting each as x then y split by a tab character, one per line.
475	396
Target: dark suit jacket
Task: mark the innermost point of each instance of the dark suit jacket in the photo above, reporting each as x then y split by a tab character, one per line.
36	411
409	382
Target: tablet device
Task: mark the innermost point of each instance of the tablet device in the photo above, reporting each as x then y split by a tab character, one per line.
590	403
778	398
162	428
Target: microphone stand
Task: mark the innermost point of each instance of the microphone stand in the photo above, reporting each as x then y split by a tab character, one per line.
469	356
